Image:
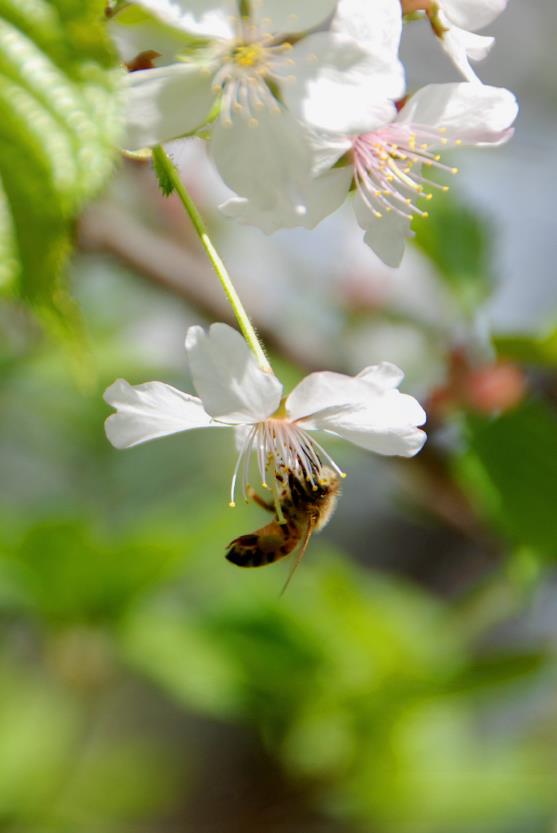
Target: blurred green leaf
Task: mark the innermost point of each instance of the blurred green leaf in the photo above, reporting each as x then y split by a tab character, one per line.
355	682
529	349
509	472
70	571
59	127
38	725
488	673
458	241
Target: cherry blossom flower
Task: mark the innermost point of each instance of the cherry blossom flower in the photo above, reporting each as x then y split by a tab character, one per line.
367	410
386	162
250	79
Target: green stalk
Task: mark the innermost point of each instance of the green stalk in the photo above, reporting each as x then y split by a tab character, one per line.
166	166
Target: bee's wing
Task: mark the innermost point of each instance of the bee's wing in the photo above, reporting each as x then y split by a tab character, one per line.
308	532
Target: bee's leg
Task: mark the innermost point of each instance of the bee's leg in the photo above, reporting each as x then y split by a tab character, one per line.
269	505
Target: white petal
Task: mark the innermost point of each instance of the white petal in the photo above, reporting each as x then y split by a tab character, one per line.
386	235
472	14
340	86
402	441
326	149
290	15
324	393
232	386
320	197
366	410
376	24
144	412
462	46
264	161
384	376
474	113
165	103
198	17
387	424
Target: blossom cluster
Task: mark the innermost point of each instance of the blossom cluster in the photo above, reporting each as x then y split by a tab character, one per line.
304	103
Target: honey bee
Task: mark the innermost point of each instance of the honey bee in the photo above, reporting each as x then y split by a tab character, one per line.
305	509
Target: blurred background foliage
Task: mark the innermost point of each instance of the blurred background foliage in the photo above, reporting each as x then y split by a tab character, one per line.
406	683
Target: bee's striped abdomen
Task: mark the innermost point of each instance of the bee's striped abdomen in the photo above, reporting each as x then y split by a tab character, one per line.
264	546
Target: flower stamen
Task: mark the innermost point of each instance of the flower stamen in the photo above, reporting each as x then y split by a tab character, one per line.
387	168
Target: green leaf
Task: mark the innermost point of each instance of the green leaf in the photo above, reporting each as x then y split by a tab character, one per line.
510	472
490	673
458	241
59	129
529	348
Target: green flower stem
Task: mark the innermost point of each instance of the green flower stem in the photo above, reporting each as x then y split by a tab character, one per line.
164	163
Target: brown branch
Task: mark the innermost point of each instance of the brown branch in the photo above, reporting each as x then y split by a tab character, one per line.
107	229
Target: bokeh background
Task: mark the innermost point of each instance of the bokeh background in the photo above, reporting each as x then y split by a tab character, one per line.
407	681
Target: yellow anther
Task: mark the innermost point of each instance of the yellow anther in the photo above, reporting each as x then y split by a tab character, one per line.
454	170
248	56
232	504
253	122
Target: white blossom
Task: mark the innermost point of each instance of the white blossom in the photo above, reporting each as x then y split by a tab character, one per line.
368	410
387	161
254	82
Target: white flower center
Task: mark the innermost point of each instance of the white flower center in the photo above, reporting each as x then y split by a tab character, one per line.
388	164
280	445
247	66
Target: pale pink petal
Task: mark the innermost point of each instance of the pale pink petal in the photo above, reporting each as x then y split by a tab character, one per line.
341	87
386	235
476	114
